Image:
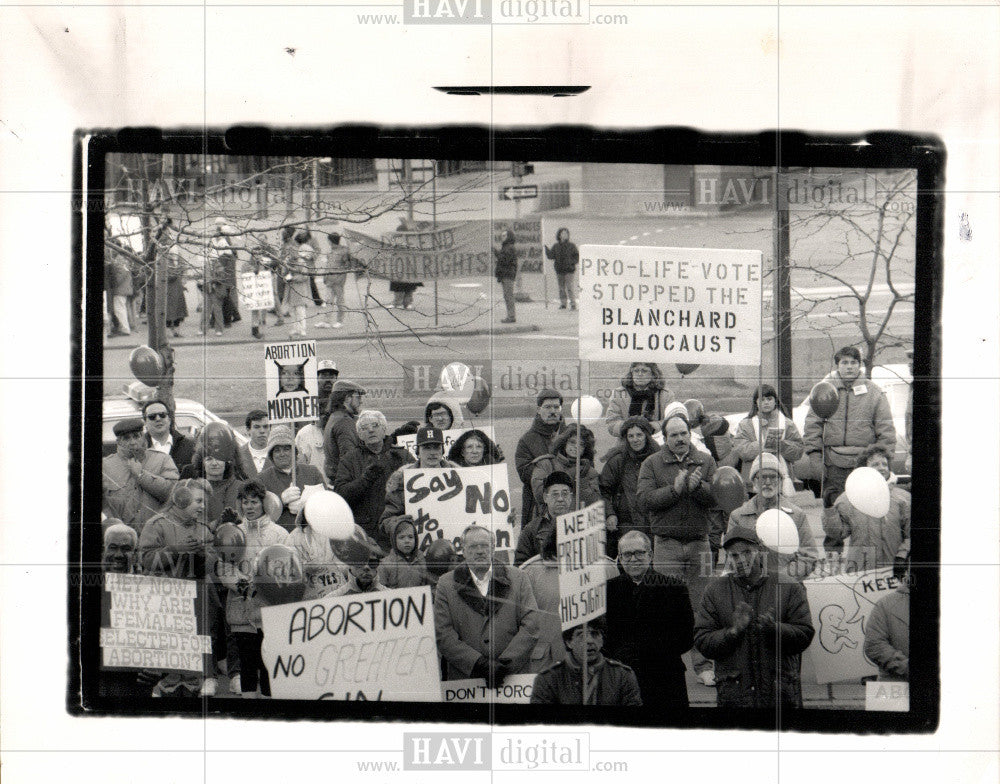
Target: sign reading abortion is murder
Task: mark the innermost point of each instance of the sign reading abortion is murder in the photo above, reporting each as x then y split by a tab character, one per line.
582	569
683	305
151	623
444	501
291	381
366	646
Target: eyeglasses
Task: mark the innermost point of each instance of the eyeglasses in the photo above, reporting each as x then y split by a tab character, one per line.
768	478
157	415
632	555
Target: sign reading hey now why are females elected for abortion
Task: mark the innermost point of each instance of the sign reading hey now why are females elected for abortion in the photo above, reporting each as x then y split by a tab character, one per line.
582	567
151	623
291	381
366	646
684	305
444	501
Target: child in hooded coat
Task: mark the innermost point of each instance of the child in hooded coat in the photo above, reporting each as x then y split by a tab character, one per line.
404	566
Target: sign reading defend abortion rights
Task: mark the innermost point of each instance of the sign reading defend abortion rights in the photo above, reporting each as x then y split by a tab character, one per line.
291	381
368	646
683	305
150	623
444	501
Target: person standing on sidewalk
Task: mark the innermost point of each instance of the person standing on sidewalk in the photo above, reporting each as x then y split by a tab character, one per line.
565	256
336	278
506	272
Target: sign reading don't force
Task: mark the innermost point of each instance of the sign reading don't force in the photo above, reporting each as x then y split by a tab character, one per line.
683	305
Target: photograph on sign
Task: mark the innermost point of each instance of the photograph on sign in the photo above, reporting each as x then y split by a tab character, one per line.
736	341
290	375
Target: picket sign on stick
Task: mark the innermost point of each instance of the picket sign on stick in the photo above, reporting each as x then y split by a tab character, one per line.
292	383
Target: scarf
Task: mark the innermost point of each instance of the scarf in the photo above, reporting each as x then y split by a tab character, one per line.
643	402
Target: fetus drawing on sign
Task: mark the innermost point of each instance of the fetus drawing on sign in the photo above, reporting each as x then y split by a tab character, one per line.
833	632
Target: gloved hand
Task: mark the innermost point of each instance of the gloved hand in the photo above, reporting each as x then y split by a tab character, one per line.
296	506
229	515
372	474
289	494
481	669
497	672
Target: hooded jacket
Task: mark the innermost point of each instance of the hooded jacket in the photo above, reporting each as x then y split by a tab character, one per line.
492	454
874	541
757	668
565	255
619	479
502	626
361	480
398	570
860	420
590	490
684	516
457	420
395	504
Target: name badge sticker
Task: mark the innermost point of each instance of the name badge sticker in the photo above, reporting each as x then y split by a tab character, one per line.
860	389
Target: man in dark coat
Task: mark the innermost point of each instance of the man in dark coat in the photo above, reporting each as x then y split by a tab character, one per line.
506	273
162	436
364	470
755	628
565	256
340	434
650	624
557	499
547	423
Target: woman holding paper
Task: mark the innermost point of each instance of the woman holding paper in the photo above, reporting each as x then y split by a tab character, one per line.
767	428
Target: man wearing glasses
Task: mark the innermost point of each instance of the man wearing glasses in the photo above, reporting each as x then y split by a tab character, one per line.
650	624
162	436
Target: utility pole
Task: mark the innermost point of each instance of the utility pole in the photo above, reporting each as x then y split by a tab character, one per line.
782	290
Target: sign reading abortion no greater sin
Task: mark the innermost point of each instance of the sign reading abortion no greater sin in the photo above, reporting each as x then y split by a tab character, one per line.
684	305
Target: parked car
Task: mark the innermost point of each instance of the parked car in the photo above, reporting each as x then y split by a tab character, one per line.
189	415
894	381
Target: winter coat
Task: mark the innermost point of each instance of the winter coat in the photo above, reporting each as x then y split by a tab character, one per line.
650	624
506	262
562	684
750	438
564	255
395	503
590	490
339	436
364	491
242	612
531	445
457	419
134	500
533	535
874	541
795	567
619	484
859	421
747	669
160	533
685	516
543	574
502	626
246	464
621	400
278	481
887	635
492	454
323	570
260	534
403	571
181	450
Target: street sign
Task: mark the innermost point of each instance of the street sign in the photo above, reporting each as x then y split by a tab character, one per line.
513	192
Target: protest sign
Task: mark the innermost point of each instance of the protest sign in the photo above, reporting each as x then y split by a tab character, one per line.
256	291
681	305
369	646
580	540
291	381
444	501
515	689
527	241
450	437
840	605
887	696
457	250
151	623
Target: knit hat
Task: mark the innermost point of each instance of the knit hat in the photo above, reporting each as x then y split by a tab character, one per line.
280	435
548	394
767	460
557	478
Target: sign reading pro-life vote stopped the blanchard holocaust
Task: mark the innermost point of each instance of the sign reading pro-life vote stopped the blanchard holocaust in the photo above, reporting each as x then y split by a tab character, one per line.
684	305
291	381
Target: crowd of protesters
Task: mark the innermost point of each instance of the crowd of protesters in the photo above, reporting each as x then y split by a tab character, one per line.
685	574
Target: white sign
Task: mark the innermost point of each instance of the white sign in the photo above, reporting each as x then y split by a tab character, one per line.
515	689
887	696
580	540
256	291
450	437
370	646
151	622
291	381
445	501
840	606
683	305
514	192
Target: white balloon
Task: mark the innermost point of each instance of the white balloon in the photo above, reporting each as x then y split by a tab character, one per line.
329	515
868	492
587	409
777	531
